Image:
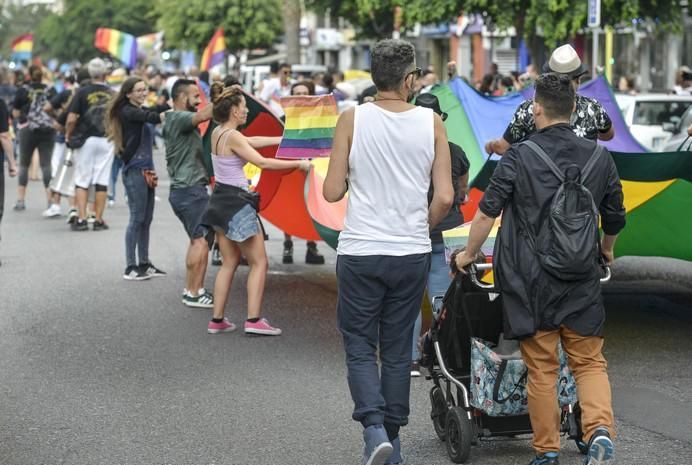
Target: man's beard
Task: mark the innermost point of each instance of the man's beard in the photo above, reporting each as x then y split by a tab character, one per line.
191	108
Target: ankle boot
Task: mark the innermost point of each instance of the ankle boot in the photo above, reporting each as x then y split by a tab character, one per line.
313	256
288	252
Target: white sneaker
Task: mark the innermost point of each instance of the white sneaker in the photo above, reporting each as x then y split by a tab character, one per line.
52	211
111	203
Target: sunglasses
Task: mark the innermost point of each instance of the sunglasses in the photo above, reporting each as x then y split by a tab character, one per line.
287	72
416	72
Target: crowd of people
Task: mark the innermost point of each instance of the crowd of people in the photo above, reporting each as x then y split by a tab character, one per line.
385	149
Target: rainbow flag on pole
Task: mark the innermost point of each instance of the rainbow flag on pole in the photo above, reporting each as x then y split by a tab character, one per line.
22	47
309	128
118	44
215	51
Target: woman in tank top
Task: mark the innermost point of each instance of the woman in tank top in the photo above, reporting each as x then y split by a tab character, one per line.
231	211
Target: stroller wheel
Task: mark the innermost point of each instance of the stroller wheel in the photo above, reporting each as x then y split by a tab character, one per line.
459	431
438	413
576	432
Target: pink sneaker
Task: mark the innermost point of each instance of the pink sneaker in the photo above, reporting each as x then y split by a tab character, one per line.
224	327
261	327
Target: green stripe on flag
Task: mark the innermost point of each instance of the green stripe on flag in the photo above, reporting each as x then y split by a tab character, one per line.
314	133
661	226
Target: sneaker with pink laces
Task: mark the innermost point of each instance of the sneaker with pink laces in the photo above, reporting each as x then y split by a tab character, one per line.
262	327
224	327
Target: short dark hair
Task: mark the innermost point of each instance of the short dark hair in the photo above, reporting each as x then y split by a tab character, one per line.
555	93
309	85
181	86
284	65
391	60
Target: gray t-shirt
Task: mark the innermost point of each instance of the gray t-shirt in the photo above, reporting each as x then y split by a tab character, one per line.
183	151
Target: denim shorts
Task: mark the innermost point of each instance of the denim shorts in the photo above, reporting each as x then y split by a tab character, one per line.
189	204
243	225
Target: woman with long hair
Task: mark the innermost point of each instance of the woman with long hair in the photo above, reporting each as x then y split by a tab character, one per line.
132	137
232	210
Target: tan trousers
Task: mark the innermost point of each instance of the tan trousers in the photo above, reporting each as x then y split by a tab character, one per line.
585	359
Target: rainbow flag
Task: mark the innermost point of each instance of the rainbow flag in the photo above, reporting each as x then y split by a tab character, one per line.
118	44
22	47
309	128
215	51
149	45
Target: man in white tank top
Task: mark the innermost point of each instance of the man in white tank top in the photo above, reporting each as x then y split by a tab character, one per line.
385	154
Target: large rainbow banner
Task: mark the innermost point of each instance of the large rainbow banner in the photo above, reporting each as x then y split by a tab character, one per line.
22	47
309	128
215	51
118	44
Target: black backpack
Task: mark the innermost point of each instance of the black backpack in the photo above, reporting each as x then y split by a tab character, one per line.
568	243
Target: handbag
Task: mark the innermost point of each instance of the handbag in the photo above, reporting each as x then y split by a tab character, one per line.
498	381
150	178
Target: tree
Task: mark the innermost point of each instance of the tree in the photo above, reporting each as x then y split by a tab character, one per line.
17	20
189	24
291	10
556	20
70	36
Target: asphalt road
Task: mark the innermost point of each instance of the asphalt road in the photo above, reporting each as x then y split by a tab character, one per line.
96	370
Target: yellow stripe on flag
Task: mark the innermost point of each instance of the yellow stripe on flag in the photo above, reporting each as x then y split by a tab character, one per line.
636	193
303	112
311	122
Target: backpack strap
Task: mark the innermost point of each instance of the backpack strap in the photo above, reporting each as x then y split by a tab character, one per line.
546	159
591	163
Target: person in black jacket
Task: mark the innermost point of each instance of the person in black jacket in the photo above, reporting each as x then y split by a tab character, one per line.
539	308
132	138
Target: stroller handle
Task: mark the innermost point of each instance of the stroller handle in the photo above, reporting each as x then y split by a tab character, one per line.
474	267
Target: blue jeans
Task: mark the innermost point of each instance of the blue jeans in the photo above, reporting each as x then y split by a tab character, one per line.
379	298
115	169
438	282
140	200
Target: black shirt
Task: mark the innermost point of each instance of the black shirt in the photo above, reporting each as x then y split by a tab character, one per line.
521	188
588	120
4	127
90	104
132	119
58	102
460	166
25	95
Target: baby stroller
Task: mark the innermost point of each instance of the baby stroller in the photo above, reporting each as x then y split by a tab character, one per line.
468	320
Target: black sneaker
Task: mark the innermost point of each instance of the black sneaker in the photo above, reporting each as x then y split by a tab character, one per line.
99	226
215	256
288	253
151	270
312	256
134	273
549	458
80	225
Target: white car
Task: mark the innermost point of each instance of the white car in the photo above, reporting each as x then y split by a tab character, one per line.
679	139
645	115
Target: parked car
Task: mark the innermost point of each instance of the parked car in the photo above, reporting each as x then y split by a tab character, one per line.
679	139
645	115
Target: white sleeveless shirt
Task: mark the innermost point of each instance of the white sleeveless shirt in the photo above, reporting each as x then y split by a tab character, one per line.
390	165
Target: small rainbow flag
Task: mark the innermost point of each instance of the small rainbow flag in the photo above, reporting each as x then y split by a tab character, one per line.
22	47
309	128
118	44
215	51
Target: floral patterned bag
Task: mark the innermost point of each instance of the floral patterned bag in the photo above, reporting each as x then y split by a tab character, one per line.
498	381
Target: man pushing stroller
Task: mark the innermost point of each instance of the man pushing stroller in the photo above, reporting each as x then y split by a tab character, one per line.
551	191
